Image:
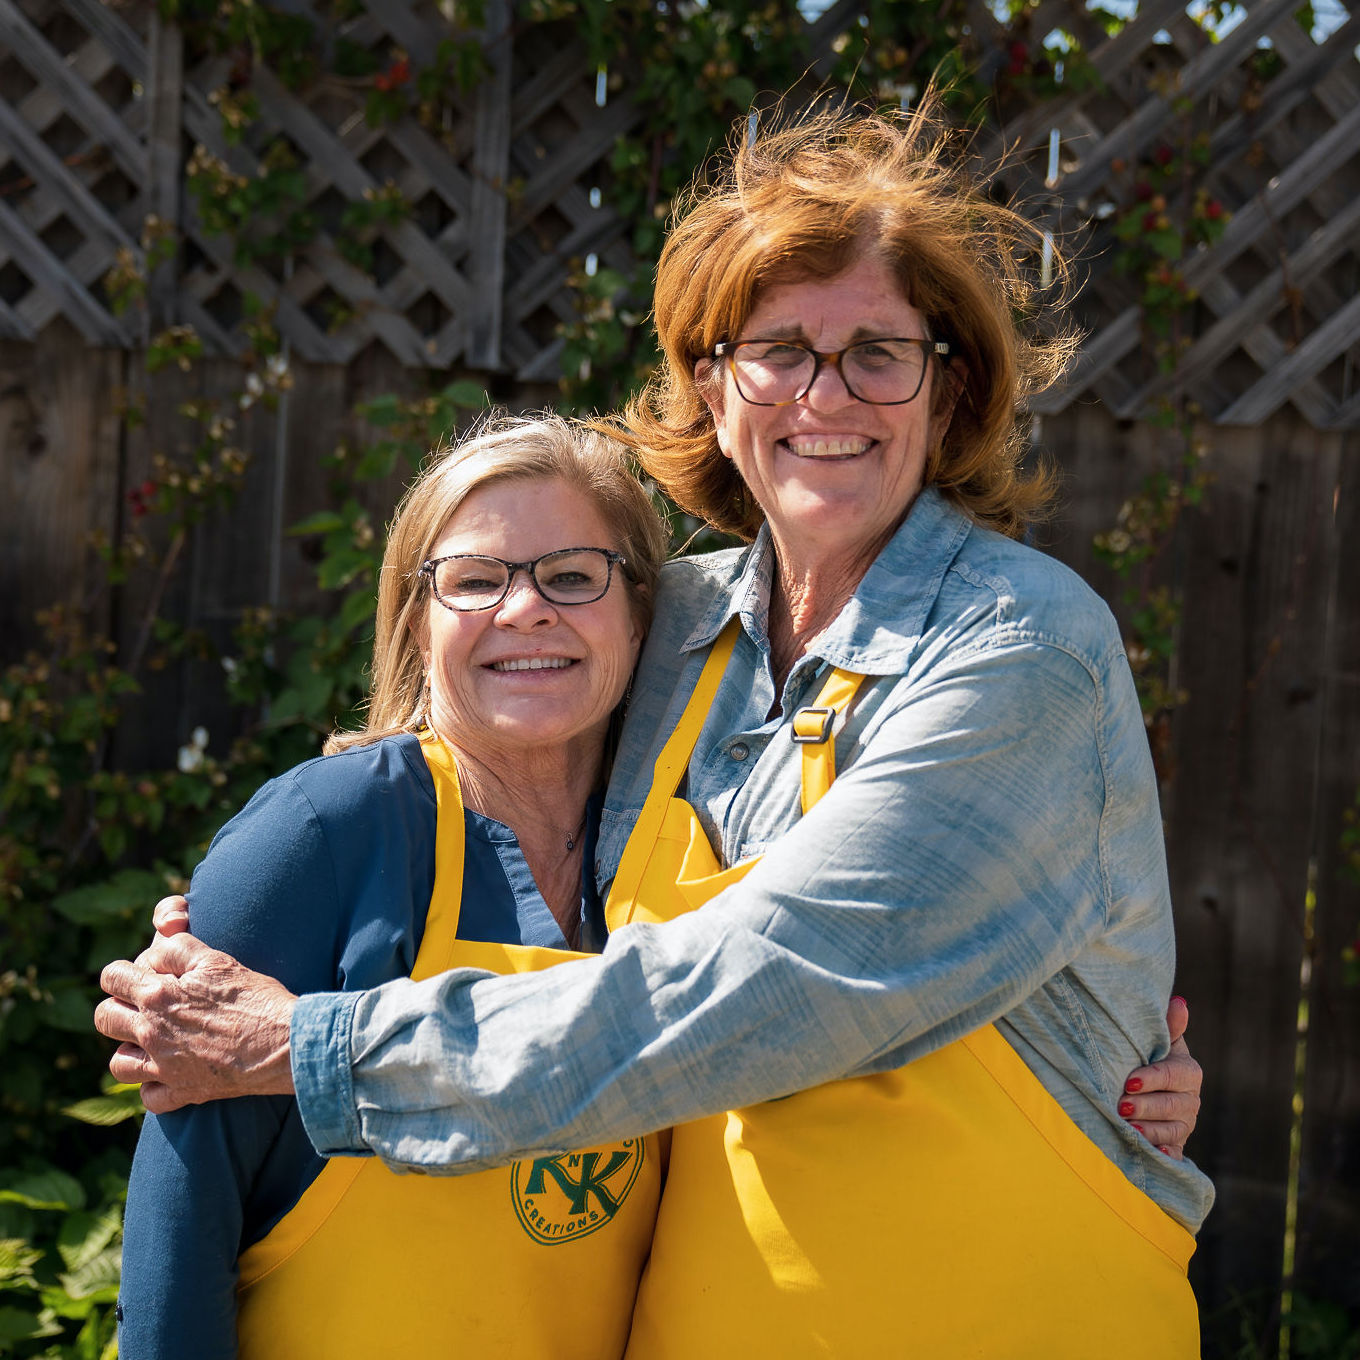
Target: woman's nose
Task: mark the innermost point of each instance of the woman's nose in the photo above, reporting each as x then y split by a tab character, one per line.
828	391
523	605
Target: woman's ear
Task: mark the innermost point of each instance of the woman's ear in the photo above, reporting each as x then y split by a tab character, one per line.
708	378
953	385
640	612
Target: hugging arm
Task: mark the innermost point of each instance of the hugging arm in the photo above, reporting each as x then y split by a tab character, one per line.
882	950
874	931
197	1182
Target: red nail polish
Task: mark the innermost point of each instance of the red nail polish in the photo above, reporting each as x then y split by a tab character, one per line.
1139	1127
1133	1084
1181	999
1167	1150
1126	1108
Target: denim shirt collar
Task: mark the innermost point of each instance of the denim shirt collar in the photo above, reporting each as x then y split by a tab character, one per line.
881	625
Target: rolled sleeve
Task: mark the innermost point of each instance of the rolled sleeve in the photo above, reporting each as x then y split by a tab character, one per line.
320	1040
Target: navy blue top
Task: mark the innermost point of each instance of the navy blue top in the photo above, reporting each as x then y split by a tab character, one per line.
322	880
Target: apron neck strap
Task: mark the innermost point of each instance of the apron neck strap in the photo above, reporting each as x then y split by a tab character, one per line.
812	730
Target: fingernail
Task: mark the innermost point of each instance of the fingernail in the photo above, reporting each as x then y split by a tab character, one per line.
1181	999
1126	1108
1139	1127
1133	1084
1167	1150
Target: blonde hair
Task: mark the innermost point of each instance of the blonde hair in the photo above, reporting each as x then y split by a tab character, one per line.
806	201
503	449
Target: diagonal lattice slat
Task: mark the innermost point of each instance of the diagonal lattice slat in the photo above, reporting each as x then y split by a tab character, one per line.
513	192
1274	320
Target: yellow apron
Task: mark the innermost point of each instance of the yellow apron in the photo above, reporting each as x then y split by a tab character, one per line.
538	1259
946	1209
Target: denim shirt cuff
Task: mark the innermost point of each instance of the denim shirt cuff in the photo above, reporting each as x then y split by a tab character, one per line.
320	1035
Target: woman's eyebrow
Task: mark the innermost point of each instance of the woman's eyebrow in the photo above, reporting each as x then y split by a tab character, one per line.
795	330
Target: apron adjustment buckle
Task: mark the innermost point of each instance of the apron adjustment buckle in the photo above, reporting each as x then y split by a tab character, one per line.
812	726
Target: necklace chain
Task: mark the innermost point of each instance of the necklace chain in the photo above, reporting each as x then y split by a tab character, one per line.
580	827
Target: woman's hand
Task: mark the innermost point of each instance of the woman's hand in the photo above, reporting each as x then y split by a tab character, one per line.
195	1025
1161	1100
170	916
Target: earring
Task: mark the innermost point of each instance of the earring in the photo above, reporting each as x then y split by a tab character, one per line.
421	717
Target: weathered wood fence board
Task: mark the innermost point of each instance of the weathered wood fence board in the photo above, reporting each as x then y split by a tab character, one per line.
1264	757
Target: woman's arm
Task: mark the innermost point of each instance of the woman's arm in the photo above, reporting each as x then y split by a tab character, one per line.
869	934
210	1180
191	1179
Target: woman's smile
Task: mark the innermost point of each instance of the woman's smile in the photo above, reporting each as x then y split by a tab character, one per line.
831	472
527	676
533	663
826	446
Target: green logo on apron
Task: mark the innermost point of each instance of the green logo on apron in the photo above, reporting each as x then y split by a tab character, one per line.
559	1199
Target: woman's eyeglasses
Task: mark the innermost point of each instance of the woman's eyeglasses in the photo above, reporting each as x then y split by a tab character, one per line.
887	372
468	582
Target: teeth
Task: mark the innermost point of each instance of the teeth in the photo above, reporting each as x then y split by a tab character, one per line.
533	663
827	446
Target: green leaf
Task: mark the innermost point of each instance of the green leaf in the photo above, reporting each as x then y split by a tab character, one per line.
122	1102
323	522
17	1259
85	1237
18	1325
358	608
50	1189
1167	243
97	1279
71	1009
741	91
383	411
466	393
128	890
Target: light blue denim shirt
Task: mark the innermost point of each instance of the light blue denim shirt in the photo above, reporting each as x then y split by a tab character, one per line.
991	850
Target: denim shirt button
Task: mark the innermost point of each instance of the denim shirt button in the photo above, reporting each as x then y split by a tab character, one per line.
739	750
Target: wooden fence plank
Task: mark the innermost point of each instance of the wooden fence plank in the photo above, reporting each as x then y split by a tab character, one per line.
165	97
1329	1209
59	479
1240	821
490	178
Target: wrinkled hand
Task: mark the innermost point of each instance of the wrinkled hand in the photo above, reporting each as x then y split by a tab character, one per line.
195	1025
170	916
1162	1100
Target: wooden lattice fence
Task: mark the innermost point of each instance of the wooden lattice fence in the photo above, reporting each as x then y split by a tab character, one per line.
101	112
97	113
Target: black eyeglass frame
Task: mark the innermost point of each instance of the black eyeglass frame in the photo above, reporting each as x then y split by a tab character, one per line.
727	349
530	569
